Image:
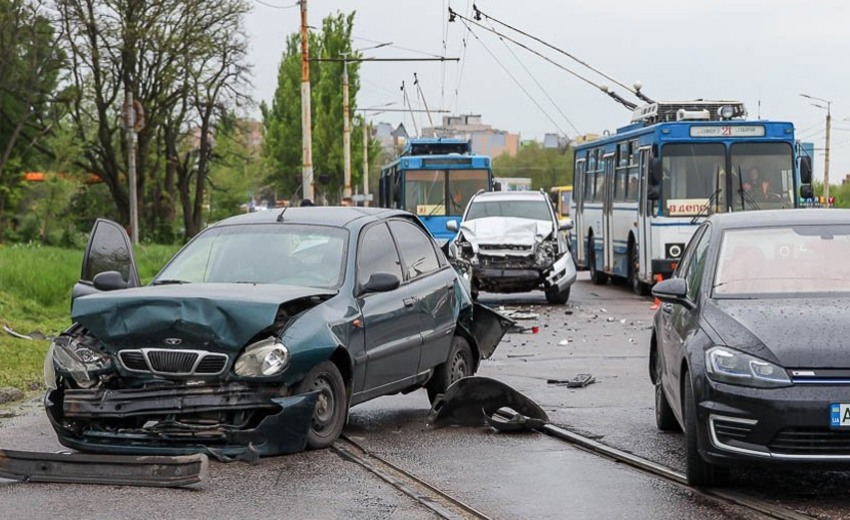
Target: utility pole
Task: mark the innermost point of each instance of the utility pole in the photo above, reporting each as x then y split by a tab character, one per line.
826	159
130	127
366	132
306	123
346	131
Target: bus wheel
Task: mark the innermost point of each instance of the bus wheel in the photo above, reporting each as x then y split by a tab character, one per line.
596	276
639	288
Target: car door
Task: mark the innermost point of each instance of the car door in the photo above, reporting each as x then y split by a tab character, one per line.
432	283
108	249
392	341
683	322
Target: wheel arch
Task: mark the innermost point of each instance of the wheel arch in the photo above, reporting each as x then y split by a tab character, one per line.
653	355
342	359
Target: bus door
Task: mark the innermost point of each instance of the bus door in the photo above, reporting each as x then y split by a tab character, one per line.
608	215
644	234
577	213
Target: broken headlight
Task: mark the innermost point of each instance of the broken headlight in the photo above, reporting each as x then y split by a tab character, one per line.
70	355
547	252
268	357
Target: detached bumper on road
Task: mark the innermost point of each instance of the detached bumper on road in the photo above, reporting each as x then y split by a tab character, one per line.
235	421
780	425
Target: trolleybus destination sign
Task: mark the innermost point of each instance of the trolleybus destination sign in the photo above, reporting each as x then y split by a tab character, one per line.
727	131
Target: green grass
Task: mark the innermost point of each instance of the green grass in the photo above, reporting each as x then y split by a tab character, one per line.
35	289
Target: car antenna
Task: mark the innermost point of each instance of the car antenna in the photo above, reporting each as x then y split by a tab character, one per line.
280	215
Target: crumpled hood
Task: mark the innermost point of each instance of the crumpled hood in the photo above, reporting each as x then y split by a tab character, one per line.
226	315
505	230
796	332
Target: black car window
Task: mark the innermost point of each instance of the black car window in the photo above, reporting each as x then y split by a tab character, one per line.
696	266
377	254
687	254
417	249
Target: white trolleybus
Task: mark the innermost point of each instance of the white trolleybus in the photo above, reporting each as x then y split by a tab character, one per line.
641	193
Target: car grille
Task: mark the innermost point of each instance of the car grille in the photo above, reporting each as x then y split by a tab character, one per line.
505	247
811	441
173	361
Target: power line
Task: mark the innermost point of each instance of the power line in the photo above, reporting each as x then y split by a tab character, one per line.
628	104
273	6
565	53
399	47
464	44
545	93
518	83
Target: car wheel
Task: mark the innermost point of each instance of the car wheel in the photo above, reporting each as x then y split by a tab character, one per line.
699	472
596	277
331	406
557	297
638	287
457	366
665	420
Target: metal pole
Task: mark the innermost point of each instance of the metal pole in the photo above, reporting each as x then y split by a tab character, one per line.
130	122
346	132
306	123
826	160
365	126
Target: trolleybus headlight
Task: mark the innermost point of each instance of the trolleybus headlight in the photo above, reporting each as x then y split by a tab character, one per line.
726	112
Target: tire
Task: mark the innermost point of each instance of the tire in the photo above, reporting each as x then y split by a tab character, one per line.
665	420
638	287
598	278
331	408
556	297
458	365
699	472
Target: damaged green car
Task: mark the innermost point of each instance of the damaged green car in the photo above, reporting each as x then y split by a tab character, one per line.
260	334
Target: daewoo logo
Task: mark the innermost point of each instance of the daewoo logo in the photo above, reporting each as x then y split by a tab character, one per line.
173	341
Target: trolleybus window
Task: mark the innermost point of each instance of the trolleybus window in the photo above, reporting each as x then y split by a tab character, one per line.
693	174
763	176
425	190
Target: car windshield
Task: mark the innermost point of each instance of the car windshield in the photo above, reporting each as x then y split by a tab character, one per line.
261	253
796	260
528	209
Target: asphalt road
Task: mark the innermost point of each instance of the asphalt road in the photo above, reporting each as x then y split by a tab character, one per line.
602	331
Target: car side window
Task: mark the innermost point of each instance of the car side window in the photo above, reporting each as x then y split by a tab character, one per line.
696	266
685	262
417	249
377	254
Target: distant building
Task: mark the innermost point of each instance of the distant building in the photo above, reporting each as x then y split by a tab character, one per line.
392	139
555	141
486	140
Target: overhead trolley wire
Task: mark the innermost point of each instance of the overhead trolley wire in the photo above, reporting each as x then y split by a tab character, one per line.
536	82
464	43
604	89
519	84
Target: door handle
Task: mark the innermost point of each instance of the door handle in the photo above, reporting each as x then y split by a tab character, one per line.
409	302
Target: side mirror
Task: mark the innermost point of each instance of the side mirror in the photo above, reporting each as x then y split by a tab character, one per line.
655	171
565	224
674	290
806	191
109	281
805	170
497	186
381	282
653	192
451	225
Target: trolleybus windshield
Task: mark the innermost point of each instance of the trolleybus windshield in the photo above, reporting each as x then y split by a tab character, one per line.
425	190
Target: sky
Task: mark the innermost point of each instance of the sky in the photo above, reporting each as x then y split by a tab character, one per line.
762	52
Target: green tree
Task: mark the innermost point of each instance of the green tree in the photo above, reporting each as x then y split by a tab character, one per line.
546	167
282	120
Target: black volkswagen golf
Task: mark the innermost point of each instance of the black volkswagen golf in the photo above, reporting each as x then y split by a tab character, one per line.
749	352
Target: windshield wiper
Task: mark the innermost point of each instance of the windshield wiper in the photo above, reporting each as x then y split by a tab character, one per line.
707	206
169	282
745	196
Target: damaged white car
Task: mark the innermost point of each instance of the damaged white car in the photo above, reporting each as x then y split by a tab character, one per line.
511	242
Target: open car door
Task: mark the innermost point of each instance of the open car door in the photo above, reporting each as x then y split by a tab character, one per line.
108	249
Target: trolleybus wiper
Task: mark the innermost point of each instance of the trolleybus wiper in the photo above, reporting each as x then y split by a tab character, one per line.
707	210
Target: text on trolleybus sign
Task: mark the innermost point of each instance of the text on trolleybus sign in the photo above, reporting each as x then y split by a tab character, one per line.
727	131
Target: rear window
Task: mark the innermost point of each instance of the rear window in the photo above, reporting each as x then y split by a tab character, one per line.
792	261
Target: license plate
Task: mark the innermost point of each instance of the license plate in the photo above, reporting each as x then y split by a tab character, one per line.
839	415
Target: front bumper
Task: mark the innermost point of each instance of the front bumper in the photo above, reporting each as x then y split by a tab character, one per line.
789	425
180	420
561	274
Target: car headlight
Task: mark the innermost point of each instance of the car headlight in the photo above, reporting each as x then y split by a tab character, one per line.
730	366
72	356
546	252
264	358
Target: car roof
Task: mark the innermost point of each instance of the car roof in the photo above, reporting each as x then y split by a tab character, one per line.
511	195
780	217
337	216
